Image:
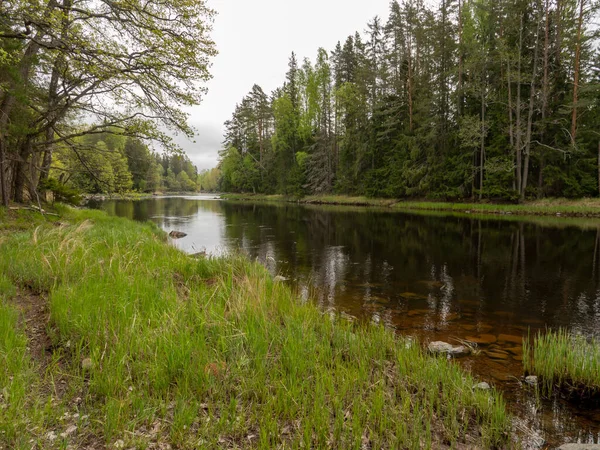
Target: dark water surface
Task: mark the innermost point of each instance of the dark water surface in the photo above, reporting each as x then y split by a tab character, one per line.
436	277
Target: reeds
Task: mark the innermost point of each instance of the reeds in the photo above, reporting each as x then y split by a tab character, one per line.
564	361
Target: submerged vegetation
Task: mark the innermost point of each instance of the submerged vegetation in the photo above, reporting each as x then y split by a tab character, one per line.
143	344
565	362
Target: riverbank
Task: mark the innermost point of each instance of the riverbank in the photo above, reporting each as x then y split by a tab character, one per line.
545	207
109	336
136	195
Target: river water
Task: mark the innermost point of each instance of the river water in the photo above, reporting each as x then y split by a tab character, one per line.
433	276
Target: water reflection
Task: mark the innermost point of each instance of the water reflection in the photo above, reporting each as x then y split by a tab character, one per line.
431	276
516	274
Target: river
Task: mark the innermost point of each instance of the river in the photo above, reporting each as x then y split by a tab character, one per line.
428	275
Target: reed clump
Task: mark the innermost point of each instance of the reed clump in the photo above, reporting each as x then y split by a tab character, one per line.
564	363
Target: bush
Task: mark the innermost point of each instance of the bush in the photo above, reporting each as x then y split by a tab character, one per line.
62	192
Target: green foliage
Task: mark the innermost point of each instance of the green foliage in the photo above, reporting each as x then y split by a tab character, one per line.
449	100
121	77
208	180
110	162
62	192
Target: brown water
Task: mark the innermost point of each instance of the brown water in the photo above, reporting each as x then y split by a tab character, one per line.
432	276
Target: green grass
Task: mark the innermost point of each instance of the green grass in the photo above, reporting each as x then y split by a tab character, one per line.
538	207
565	362
210	353
17	371
581	207
313	199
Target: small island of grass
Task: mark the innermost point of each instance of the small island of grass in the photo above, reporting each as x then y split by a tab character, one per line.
566	364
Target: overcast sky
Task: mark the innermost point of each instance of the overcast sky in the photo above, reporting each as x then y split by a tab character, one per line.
255	39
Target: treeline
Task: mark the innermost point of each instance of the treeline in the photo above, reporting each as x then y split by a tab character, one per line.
116	163
209	180
465	99
84	84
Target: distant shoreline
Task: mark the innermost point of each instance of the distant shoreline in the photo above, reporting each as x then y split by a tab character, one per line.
140	196
547	207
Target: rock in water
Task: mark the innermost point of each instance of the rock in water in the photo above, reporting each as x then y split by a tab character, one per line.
497	355
177	234
510	338
482	339
531	380
444	347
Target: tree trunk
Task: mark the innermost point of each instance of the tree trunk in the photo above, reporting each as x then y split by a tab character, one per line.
541	175
511	127
545	93
8	101
576	75
530	112
518	112
482	144
460	62
49	137
410	88
20	171
3	183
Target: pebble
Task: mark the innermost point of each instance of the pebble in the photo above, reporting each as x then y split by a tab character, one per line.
444	347
51	435
531	380
87	364
69	431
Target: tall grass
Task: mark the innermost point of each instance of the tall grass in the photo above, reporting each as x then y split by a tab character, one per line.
541	207
564	361
211	353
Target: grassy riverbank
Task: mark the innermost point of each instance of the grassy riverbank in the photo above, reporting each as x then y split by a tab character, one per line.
581	207
110	336
137	195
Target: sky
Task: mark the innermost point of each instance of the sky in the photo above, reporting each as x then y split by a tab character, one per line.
255	39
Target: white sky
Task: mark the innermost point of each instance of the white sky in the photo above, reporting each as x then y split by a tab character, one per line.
255	39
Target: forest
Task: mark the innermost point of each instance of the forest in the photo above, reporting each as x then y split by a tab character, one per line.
478	99
88	87
120	164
